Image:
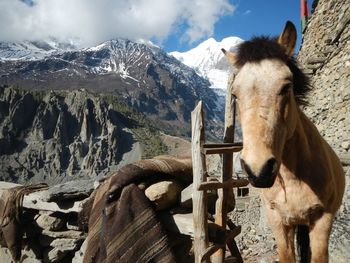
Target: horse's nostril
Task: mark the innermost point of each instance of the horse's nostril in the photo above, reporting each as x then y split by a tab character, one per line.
269	169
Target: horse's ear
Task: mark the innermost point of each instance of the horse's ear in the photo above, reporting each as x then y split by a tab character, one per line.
288	38
231	57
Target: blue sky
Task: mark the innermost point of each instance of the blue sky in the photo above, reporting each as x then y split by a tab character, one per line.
251	18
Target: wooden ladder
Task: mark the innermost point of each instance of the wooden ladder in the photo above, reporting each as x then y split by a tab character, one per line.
202	250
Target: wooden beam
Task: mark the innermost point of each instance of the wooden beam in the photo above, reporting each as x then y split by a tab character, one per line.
233	233
210	251
223	149
227	167
229	184
199	199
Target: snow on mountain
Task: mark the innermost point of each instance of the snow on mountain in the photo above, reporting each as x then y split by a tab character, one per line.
209	61
32	50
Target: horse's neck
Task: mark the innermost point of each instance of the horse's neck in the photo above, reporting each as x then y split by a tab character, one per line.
302	146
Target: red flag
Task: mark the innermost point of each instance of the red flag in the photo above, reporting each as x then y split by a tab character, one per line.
304	14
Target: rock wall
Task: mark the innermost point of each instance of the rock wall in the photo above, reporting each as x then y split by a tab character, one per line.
54	137
49	224
325	56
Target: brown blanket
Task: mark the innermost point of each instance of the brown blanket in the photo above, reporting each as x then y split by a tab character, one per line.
123	226
10	217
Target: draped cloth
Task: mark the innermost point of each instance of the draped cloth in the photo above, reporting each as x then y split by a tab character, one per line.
123	226
10	217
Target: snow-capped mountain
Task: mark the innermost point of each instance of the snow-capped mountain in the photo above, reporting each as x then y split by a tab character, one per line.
208	60
146	77
33	50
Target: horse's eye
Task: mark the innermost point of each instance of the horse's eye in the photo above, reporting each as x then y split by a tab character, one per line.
285	89
234	96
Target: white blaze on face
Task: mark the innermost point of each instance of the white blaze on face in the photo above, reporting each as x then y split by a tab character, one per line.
257	87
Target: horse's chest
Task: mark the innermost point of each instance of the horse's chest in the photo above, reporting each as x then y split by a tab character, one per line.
295	205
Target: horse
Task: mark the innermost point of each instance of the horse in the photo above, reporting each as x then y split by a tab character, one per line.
301	177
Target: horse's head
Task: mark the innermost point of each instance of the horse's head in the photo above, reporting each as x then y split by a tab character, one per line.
268	85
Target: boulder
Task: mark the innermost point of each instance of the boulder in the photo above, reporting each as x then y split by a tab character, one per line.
163	194
71	190
38	201
47	221
79	255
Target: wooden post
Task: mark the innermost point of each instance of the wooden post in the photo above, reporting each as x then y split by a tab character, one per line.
227	166
199	198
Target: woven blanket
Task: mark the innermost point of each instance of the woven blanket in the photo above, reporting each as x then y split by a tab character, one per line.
10	217
123	226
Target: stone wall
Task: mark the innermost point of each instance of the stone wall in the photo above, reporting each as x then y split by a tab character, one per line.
325	55
49	224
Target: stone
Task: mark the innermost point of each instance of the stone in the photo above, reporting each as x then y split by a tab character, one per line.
63	234
37	201
52	255
50	222
5	256
345	145
59	248
79	255
316	60
71	190
163	194
31	260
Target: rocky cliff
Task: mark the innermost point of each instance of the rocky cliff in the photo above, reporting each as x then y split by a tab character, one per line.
60	136
325	55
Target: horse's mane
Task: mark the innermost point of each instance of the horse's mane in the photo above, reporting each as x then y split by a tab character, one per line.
259	48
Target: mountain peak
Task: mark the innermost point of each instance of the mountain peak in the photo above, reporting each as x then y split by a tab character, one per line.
208	60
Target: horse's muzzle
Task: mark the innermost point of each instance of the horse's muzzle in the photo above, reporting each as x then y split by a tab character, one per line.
266	176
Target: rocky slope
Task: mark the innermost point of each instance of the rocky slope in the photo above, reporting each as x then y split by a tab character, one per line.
150	81
59	136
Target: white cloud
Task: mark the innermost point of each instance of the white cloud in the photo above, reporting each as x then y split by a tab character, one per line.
95	21
247	12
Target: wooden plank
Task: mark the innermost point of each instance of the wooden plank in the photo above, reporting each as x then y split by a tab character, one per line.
230	183
211	250
218	145
231	243
199	199
233	233
228	149
232	246
227	166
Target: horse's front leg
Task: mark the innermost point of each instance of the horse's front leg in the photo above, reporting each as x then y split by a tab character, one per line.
319	237
284	236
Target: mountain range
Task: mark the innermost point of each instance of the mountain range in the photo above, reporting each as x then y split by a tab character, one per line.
163	86
67	111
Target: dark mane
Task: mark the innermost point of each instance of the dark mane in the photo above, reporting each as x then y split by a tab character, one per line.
259	48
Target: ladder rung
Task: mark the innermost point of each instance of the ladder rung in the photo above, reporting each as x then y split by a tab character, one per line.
230	183
215	148
210	251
